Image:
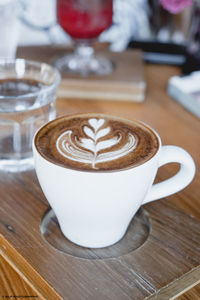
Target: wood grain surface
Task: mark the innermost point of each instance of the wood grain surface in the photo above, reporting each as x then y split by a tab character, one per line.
165	266
192	294
12	283
19	278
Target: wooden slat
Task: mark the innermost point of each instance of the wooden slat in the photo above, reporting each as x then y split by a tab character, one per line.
13	285
19	278
192	294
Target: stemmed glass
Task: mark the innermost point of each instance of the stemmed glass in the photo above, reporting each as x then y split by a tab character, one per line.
84	20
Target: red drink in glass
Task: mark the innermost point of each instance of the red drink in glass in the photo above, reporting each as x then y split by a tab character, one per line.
84	19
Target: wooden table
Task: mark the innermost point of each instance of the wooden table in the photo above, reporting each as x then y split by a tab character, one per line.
174	124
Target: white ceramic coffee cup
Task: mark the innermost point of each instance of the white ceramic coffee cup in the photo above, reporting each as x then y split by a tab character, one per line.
94	209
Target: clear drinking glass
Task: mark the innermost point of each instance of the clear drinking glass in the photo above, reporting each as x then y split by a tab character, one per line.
27	101
84	20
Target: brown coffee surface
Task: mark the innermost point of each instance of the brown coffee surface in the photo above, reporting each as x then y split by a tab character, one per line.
96	142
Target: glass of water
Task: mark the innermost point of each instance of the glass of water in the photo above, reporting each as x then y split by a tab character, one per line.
27	101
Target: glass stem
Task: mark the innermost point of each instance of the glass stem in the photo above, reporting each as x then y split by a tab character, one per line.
84	50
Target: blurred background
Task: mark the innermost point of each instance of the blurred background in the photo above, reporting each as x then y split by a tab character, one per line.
167	31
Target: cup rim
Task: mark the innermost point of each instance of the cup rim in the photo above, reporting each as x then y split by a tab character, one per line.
96	171
45	89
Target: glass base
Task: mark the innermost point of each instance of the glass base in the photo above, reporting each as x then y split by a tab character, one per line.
136	235
16	165
74	64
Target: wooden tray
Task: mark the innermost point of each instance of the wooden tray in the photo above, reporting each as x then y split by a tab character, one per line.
164	263
126	83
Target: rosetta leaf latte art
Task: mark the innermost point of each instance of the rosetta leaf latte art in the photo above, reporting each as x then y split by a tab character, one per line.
87	149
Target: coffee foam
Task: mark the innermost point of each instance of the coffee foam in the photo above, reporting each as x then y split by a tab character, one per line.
96	142
93	144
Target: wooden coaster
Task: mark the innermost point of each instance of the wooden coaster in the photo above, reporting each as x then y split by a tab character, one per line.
135	237
125	83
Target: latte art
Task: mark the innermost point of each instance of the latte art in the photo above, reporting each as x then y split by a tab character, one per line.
88	149
96	142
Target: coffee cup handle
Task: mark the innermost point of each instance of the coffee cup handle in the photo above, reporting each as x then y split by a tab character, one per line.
184	176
